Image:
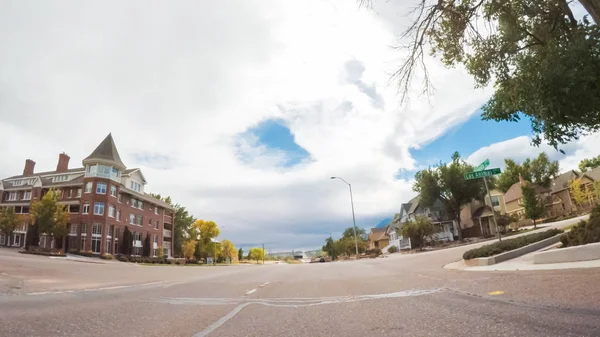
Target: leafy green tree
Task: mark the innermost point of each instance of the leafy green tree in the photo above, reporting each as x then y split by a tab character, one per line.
533	204
50	217
197	251
126	242
207	230
228	249
330	248
447	184
240	254
9	221
589	164
419	230
189	248
540	171
361	233
257	254
503	221
544	64
146	249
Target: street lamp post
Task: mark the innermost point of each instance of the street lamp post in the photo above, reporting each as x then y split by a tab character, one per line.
353	218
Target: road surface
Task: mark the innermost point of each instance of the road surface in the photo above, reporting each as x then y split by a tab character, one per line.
403	295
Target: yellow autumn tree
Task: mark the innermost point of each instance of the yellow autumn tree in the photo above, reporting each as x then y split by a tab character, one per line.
578	195
189	248
207	230
228	250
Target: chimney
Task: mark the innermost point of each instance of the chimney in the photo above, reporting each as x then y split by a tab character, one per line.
521	181
63	163
28	169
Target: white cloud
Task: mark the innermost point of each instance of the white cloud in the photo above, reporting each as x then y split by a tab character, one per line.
520	148
178	81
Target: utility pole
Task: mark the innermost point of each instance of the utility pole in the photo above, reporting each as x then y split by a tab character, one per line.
263	245
353	217
492	207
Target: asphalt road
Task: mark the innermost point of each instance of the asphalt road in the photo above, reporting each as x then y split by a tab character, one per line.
403	295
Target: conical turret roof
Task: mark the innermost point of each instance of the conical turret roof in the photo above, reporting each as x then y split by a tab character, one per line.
106	153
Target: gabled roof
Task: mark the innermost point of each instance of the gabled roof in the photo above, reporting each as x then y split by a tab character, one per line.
482	212
594	174
106	151
81	169
515	192
129	172
562	181
378	234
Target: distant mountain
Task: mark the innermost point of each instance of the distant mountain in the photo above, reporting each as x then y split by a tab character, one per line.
383	223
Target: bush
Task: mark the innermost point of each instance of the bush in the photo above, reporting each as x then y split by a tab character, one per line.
374	251
42	253
510	244
585	232
168	262
177	262
123	258
106	256
393	249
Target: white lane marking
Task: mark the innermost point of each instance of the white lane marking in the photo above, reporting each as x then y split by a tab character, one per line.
221	321
264	284
94	289
250	291
309	302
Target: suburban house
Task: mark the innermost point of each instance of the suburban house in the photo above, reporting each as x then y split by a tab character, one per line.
560	189
378	238
588	180
513	200
477	218
103	197
437	214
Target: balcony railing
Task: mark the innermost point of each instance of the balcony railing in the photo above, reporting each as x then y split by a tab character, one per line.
168	219
166	233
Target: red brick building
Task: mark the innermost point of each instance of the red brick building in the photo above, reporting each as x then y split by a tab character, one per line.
103	197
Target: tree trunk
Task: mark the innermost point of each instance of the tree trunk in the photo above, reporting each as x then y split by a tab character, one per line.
534	225
459	229
593	8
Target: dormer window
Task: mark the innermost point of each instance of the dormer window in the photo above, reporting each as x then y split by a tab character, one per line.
135	186
58	179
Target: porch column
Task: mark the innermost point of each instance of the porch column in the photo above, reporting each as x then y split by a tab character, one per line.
480	226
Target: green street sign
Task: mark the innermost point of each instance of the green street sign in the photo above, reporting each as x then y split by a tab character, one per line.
482	174
482	166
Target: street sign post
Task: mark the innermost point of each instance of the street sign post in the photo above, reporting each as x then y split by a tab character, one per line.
482	174
482	166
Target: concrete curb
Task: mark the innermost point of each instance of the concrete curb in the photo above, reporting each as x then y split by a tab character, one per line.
486	261
588	252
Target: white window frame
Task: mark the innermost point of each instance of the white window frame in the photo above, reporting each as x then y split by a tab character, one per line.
88	187
85	209
118	215
12	196
98	187
140	204
156	210
79	193
113	190
99	205
70	193
111	211
27	195
131	219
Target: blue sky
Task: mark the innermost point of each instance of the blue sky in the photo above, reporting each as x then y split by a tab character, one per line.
274	135
466	138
